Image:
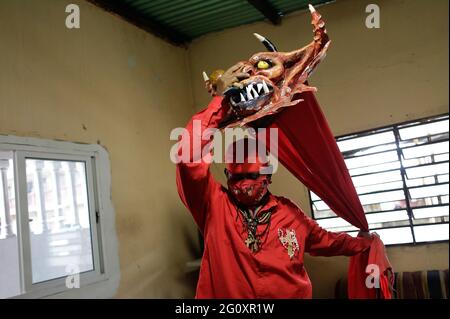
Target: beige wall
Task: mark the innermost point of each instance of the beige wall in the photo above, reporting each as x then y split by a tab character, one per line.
370	78
114	84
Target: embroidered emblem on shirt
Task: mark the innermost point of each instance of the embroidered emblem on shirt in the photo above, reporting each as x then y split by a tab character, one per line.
289	241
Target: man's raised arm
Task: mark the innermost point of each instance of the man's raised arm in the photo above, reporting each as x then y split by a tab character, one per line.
195	184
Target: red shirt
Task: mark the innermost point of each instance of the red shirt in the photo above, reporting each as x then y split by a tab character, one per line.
229	269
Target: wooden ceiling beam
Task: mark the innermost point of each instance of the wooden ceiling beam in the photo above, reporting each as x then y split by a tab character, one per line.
267	9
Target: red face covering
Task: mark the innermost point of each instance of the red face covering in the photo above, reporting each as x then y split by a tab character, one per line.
245	181
249	192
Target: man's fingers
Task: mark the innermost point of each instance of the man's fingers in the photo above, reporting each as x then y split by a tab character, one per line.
232	79
234	67
237	78
242	75
364	234
231	70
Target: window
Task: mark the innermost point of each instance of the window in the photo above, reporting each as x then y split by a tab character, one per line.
57	233
400	173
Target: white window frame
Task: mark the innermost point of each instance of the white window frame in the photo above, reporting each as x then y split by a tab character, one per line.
103	281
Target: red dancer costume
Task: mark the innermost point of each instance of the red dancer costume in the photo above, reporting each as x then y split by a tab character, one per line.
236	264
255	241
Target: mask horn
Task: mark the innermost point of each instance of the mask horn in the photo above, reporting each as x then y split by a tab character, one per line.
269	45
205	76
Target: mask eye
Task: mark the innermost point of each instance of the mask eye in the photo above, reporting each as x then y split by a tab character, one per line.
263	65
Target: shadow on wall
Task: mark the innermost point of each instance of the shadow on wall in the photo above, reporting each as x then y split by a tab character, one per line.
154	265
181	245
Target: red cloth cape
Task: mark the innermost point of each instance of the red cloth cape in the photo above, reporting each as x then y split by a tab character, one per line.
308	149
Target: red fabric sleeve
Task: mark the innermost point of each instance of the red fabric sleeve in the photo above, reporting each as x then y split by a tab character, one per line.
195	183
321	242
358	273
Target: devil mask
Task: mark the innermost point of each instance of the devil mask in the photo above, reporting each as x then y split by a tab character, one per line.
269	81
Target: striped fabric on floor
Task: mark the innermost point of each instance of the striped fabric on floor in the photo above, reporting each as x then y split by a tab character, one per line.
431	284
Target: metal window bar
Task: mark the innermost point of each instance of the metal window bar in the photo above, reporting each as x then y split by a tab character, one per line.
438	137
397	226
347	157
391	210
436	183
424	144
409	210
399	189
426	120
431	139
396	169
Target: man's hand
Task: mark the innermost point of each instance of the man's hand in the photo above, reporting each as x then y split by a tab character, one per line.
210	88
364	234
231	77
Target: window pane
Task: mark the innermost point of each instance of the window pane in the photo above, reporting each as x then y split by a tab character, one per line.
431	149
382	197
323	213
314	197
441	157
443	178
384	206
431	232
379	187
377	220
425	160
429	191
428	170
424	140
366	141
428	201
391	236
60	231
9	249
320	205
335	224
421	181
374	168
424	130
370	160
430	212
370	150
377	178
431	220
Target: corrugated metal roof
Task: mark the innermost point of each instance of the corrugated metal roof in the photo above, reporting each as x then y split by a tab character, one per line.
188	19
